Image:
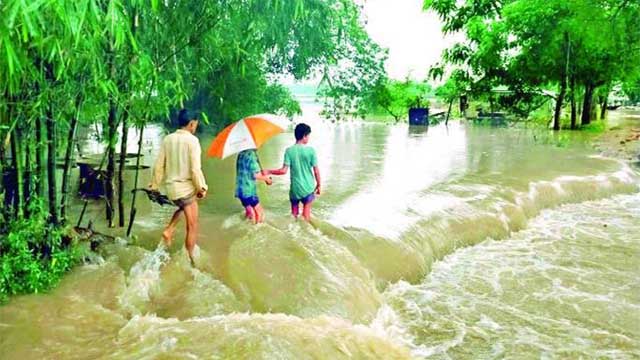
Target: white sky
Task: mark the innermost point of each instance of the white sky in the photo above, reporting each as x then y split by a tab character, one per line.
412	36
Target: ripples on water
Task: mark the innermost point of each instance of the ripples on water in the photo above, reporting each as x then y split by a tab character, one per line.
402	267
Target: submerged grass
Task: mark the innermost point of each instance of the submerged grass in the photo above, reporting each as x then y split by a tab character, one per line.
597	127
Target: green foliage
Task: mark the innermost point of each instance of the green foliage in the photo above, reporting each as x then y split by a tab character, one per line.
234	101
395	98
521	44
33	254
354	70
456	85
596	127
225	54
631	87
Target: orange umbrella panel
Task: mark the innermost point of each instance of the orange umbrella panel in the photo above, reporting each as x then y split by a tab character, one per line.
248	133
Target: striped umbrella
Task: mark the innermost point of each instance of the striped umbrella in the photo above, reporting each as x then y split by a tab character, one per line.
248	133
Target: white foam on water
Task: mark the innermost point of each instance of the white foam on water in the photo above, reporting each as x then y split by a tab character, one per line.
388	324
92	258
143	276
233	221
563	287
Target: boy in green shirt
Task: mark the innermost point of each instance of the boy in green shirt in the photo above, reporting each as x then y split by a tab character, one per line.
305	175
247	172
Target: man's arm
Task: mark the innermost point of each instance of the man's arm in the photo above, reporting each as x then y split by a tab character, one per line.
196	169
316	173
282	171
158	170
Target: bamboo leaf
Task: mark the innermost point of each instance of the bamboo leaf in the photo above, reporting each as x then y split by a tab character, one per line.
11	55
205	118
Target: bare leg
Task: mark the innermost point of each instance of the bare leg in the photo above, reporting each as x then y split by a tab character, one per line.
259	213
191	213
167	234
306	211
295	209
249	213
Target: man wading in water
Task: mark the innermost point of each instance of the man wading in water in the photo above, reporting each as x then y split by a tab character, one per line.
178	167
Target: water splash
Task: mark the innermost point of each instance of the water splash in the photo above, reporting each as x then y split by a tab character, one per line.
142	278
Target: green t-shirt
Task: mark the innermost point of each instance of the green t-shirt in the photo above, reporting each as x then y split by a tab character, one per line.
246	168
301	159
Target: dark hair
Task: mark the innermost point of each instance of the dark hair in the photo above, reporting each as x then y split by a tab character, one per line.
185	116
301	131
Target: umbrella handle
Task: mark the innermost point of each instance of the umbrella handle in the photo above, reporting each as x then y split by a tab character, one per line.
259	163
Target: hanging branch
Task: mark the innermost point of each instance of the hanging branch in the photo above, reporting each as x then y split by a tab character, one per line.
133	210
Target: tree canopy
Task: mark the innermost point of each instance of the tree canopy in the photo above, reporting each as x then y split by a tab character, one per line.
568	46
394	98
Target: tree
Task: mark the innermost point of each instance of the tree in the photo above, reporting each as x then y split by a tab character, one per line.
455	87
395	98
535	45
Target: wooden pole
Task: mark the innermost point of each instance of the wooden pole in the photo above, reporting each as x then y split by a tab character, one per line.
446	122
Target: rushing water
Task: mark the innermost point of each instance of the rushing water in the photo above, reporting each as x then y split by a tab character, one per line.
456	242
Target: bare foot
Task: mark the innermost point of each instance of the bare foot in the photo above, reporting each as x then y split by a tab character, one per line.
193	254
167	237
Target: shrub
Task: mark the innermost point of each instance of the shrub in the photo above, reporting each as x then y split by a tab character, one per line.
33	255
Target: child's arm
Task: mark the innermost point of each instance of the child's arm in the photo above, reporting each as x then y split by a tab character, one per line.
316	173
264	176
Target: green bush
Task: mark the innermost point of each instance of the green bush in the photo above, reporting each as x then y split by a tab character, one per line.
596	127
33	255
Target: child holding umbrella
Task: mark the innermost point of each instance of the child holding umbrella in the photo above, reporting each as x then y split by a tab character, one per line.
247	172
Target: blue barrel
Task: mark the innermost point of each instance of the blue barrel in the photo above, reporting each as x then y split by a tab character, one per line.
419	116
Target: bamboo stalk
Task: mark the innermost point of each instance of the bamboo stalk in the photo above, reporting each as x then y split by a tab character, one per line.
112	126
51	167
16	156
17	169
67	159
573	101
121	168
40	147
133	210
132	214
28	176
